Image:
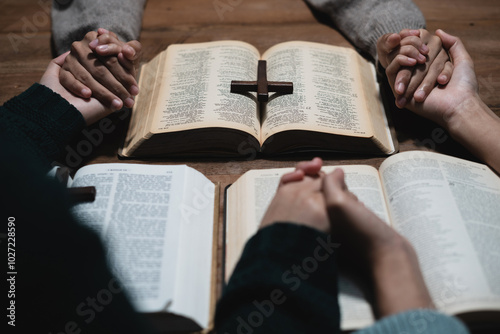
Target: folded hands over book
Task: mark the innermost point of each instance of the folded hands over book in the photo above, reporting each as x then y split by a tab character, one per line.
454	103
98	75
368	247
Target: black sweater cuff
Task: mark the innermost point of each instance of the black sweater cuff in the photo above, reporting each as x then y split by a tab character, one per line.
287	276
42	121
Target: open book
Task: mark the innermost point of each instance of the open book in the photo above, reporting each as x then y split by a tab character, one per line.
185	106
448	208
158	224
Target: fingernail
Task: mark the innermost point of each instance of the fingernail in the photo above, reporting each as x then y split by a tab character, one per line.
420	95
424	48
102	47
116	104
94	43
86	91
129	103
130	49
134	90
421	58
414	31
400	88
443	78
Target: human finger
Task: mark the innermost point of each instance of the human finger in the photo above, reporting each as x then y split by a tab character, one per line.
416	42
100	73
409	32
430	79
106	45
124	77
445	75
310	167
68	81
101	92
398	73
295	176
385	45
102	31
422	70
132	50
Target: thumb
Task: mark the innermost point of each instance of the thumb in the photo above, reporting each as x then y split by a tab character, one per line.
53	68
334	188
60	60
385	45
455	47
132	50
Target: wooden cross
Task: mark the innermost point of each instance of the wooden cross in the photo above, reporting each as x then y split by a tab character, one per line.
262	86
76	194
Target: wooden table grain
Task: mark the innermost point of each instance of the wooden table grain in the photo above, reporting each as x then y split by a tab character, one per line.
25	50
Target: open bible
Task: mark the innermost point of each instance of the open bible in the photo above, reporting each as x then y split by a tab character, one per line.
448	208
185	107
158	224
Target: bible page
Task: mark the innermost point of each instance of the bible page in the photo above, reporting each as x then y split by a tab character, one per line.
196	93
449	210
247	202
327	93
137	213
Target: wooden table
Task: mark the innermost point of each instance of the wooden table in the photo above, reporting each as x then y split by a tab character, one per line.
262	23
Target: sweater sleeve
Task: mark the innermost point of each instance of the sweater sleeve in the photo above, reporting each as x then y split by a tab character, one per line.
422	321
40	122
364	21
284	282
72	19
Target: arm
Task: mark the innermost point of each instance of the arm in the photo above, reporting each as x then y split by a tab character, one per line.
377	252
421	63
42	120
364	21
104	67
458	108
71	20
368	22
63	272
286	280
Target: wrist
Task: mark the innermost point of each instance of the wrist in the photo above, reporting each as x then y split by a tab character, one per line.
471	110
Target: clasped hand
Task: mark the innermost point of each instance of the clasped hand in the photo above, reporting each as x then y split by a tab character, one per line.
322	201
97	76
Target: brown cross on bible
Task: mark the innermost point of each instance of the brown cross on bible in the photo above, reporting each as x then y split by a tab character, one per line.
262	86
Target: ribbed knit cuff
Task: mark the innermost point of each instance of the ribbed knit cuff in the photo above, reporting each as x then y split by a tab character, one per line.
45	119
364	21
421	321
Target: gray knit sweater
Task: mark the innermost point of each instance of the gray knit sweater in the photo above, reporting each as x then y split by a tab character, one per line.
361	21
72	19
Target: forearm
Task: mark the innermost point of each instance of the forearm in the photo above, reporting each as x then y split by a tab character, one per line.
287	278
397	279
477	128
40	122
364	21
72	21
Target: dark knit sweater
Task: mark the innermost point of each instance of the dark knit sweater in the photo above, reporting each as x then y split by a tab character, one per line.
63	282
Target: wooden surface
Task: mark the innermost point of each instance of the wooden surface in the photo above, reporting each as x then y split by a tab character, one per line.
262	23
